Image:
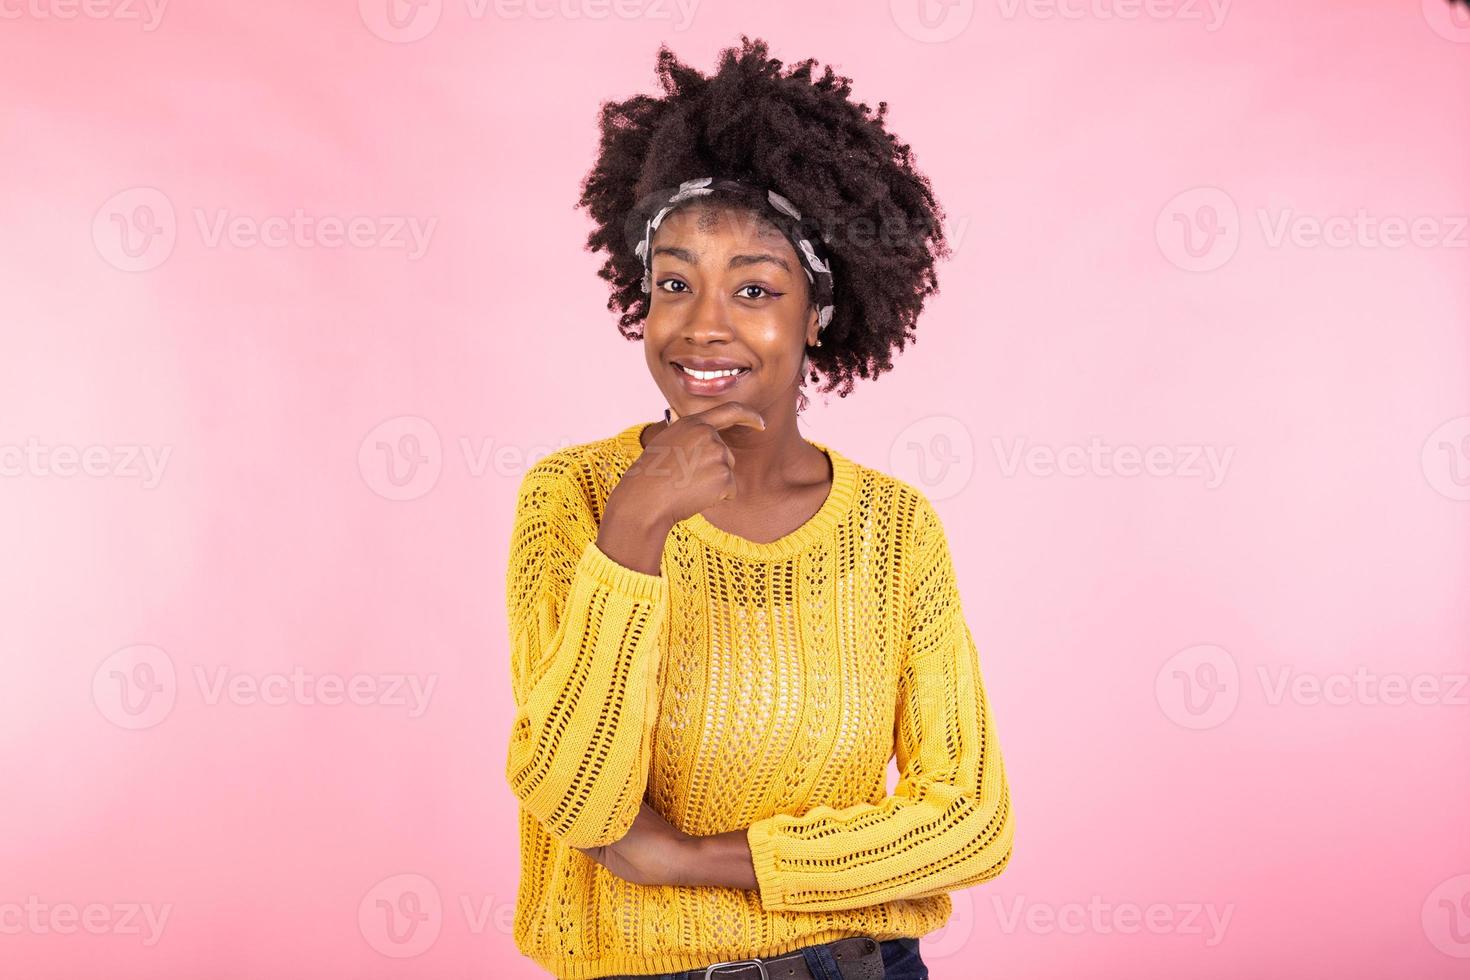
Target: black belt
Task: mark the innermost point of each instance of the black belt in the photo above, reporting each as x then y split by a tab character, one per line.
858	958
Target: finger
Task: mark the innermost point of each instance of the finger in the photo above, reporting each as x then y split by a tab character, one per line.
726	414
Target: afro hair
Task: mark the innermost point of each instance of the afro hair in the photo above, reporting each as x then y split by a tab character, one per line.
802	135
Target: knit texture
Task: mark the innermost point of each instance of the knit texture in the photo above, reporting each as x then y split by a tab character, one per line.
748	685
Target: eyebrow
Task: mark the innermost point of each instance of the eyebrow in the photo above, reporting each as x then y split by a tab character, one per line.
735	260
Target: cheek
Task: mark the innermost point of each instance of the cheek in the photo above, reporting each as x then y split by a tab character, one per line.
775	336
655	333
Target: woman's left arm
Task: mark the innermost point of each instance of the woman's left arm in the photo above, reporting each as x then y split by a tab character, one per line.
947	824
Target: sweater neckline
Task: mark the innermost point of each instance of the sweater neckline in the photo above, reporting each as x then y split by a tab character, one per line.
837	505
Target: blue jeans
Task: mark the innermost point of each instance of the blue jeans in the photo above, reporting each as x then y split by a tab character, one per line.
901	961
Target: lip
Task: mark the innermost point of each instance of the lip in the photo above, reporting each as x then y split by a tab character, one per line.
712	386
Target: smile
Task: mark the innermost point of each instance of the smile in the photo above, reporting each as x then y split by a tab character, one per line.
711	375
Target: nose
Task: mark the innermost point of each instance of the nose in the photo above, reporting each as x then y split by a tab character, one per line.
708	320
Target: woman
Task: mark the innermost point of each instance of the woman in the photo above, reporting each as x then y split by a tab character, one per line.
721	631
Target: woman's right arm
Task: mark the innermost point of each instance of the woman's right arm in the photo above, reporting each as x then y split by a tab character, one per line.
586	607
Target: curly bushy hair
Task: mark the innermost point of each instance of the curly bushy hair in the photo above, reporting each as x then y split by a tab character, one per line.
804	137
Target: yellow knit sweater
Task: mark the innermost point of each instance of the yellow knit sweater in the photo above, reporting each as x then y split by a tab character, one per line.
755	685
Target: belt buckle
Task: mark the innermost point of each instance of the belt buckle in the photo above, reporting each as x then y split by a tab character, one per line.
715	966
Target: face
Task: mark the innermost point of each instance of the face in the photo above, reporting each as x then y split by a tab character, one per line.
727	292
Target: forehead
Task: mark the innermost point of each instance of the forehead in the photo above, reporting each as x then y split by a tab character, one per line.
718	225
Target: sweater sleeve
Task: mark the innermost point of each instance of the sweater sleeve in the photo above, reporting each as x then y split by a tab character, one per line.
947	824
585	638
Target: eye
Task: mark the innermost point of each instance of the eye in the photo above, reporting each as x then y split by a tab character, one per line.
666	282
762	289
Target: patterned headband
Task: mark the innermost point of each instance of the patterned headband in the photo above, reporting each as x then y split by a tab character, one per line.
806	241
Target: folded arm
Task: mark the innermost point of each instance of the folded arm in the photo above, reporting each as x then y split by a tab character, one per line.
948	823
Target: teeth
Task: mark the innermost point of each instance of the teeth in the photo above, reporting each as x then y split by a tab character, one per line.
707	375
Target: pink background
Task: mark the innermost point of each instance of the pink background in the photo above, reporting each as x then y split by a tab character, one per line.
1134	629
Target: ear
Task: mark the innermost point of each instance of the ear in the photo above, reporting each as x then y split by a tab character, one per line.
812	331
